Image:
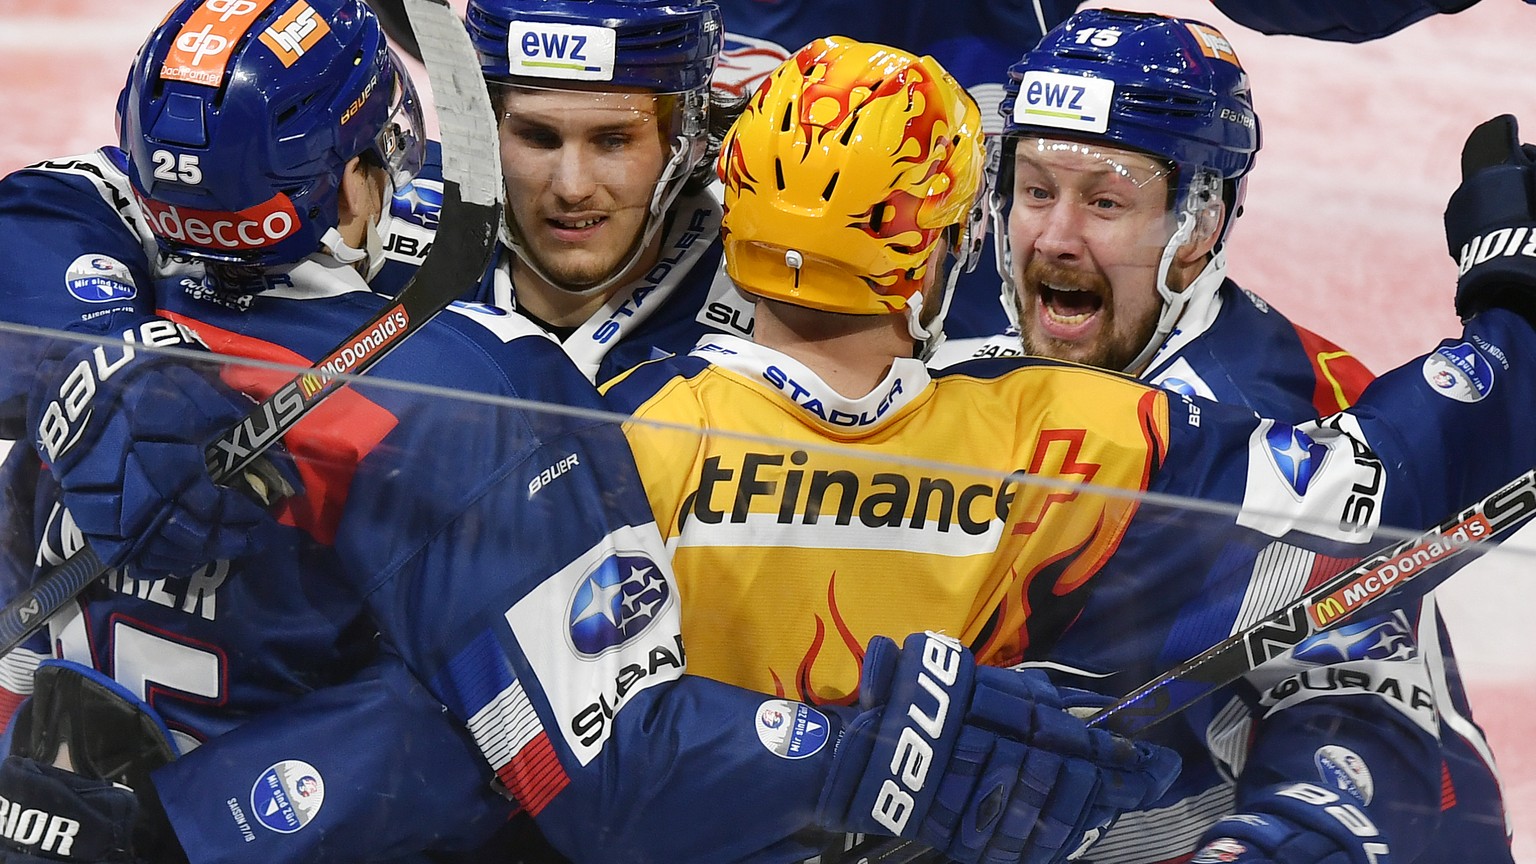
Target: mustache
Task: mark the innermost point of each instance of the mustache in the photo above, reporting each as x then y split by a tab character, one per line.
1040	271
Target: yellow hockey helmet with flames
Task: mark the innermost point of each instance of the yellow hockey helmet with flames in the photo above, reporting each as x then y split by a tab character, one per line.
847	166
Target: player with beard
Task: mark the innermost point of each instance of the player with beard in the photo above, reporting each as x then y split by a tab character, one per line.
1111	237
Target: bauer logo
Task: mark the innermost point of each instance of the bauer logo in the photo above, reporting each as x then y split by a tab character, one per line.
287	796
616	602
1459	372
99	279
569	51
1295	455
1064	101
266	224
791	730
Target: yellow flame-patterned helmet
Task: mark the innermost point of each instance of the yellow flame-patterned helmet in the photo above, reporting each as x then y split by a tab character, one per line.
841	174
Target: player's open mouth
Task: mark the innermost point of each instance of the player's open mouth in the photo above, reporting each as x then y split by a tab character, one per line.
1067	306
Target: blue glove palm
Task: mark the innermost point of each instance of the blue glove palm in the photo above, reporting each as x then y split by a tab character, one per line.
981	764
123	430
1296	823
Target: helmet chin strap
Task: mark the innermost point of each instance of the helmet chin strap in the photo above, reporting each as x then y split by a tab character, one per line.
1173	301
373	242
668	186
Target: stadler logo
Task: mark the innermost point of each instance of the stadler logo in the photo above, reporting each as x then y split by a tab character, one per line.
571	51
616	602
1295	454
266	224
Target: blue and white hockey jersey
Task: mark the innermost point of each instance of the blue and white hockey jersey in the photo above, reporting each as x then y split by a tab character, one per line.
505	554
1232	347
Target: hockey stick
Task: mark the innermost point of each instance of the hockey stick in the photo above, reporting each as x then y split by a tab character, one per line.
1330	603
465	240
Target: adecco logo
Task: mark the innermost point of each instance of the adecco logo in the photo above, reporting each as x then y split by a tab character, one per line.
258	227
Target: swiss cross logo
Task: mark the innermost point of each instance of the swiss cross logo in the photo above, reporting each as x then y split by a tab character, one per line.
202	48
295	32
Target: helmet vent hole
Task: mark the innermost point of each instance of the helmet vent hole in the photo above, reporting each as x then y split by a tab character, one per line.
789	116
778	173
877	217
826	194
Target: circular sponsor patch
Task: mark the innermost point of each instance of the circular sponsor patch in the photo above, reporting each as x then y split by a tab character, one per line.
791	730
287	796
1344	770
1459	372
99	279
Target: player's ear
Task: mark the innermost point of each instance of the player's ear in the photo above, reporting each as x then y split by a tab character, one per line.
358	198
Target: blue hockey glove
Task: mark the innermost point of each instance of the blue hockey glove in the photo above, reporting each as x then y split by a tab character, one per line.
1296	823
1490	222
123	429
54	815
979	763
75	785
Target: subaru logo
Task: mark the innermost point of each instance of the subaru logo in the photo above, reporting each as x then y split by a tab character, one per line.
616	602
1295	454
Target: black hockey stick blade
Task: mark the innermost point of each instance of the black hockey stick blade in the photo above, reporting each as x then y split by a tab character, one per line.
466	238
1335	601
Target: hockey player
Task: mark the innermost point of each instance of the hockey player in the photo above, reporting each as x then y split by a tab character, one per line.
1111	255
789	552
612	241
975	39
567	667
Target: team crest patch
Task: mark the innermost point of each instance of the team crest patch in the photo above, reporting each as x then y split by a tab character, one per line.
791	730
1459	372
99	279
287	796
1343	769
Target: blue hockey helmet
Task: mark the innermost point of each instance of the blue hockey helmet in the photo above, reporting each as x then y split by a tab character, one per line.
1169	87
667	46
239	116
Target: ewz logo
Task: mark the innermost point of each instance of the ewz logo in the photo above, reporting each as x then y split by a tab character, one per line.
616	602
572	51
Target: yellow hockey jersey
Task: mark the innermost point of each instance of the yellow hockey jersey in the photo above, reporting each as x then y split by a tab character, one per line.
803	523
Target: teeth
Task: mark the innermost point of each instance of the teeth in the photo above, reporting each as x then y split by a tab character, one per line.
577	226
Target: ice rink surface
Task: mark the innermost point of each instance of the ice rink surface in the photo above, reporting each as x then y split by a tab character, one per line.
1341	231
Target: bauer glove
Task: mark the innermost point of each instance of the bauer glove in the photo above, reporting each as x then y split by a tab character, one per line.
123	430
982	764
